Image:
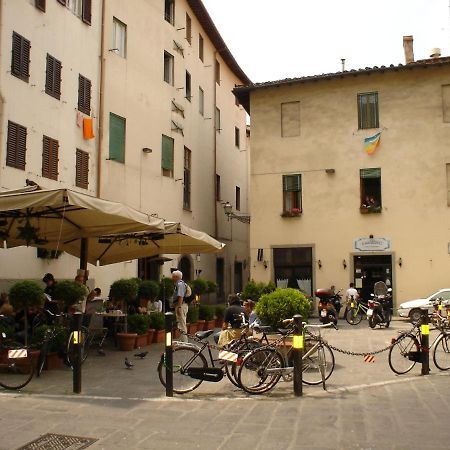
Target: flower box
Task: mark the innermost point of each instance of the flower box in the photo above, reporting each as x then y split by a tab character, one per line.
294	212
370	209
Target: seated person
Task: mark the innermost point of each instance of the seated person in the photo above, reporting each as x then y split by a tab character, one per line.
154	306
250	313
233	320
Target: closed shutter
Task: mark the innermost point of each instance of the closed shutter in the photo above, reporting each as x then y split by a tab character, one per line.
50	150
82	169
63	2
117	127
16	145
53	77
40	4
87	11
167	153
84	95
368	110
291	183
370	173
20	58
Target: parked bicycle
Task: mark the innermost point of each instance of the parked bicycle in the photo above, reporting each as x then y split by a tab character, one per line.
355	312
263	368
403	355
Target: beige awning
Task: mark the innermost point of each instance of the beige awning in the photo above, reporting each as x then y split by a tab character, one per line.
48	217
175	239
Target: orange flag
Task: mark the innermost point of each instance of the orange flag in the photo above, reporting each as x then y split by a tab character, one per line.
88	129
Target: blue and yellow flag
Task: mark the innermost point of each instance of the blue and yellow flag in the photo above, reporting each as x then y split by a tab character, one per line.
371	143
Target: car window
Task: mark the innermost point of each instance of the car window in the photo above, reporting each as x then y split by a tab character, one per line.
445	295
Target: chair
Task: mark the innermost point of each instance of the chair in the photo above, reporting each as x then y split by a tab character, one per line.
282	283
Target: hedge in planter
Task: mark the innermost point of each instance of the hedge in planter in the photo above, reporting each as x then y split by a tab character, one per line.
69	293
192	314
157	322
281	304
139	324
253	291
148	290
124	290
198	286
211	287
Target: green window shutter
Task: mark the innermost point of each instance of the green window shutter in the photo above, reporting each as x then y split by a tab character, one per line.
370	173
292	183
167	153
117	126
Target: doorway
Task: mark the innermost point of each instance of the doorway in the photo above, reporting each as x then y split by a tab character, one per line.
186	268
368	269
238	277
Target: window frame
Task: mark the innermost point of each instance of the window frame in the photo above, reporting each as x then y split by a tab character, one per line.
84	94
52	156
237	137
40	4
201	48
294	197
365	207
169	11
112	151
218	193
188	29
201	101
168	57
15	152
166	171
20	57
238	198
368	117
119	47
217	72
53	77
187	179
217	120
82	169
188	86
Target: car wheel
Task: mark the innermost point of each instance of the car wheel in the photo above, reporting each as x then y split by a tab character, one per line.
415	315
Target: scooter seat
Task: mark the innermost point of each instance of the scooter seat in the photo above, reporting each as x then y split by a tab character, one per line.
284	331
262	328
204	334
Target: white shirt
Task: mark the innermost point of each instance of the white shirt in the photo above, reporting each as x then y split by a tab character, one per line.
155	306
350	292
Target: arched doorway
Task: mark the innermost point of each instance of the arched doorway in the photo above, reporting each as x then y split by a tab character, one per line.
185	266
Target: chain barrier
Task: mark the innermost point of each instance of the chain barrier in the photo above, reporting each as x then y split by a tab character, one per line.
198	340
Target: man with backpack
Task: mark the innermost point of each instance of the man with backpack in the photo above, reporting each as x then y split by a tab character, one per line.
179	302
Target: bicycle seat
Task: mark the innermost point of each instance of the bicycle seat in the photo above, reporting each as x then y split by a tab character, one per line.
204	334
284	331
262	328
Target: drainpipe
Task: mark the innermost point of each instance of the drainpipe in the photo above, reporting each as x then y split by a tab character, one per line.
101	101
216	231
2	99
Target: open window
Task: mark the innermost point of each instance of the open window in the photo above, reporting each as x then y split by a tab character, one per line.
370	190
292	195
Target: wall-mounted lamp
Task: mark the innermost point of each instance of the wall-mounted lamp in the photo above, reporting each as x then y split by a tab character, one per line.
400	262
147	150
344	264
319	263
330	171
265	264
371	236
198	257
228	210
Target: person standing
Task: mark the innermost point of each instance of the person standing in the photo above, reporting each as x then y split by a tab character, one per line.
178	303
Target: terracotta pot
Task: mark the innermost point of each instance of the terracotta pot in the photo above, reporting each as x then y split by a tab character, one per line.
159	336
219	322
201	325
192	328
141	340
150	333
53	361
209	325
126	341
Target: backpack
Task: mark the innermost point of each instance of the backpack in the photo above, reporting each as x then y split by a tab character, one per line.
189	297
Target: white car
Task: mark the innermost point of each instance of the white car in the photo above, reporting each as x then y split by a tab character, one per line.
411	309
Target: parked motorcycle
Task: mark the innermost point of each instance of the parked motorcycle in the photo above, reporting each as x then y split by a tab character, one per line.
379	307
329	305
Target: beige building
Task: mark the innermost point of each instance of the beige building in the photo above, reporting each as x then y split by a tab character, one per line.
169	137
324	211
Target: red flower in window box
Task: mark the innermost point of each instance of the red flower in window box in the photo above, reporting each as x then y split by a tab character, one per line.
294	212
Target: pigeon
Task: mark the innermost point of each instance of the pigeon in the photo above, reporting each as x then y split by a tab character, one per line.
101	352
141	355
128	364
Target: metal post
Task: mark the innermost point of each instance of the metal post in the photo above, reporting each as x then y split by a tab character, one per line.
168	357
425	342
83	253
77	349
297	350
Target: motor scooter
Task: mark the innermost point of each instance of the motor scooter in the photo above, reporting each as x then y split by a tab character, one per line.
379	306
329	305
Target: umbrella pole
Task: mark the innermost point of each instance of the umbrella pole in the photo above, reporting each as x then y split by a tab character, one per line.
83	254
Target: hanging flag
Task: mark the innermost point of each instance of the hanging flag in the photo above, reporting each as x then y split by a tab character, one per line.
371	143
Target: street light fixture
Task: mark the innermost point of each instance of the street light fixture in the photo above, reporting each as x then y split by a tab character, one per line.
228	210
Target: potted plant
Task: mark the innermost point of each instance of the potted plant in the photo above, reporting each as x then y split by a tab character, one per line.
206	313
211	288
69	293
281	304
24	295
220	312
57	345
157	322
147	292
199	287
139	324
166	287
192	319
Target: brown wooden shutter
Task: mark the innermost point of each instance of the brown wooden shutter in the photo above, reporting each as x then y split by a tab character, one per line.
20	58
63	2
50	152
82	169
84	95
40	4
16	145
87	11
53	77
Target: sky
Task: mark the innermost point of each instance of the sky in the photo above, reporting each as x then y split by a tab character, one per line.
276	39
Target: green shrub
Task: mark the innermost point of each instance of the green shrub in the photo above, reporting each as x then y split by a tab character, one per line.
220	311
138	323
58	343
281	304
7	330
166	287
69	292
148	290
253	291
157	321
125	289
211	287
192	314
206	312
198	286
26	294
269	287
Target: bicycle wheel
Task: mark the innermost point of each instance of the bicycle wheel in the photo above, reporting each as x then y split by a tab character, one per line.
41	359
441	353
183	357
318	362
231	369
399	361
253	374
16	365
353	316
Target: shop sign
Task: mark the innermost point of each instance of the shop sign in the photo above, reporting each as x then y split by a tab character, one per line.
372	245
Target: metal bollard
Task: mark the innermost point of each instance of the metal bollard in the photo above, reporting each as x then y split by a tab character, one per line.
77	351
297	350
168	357
425	342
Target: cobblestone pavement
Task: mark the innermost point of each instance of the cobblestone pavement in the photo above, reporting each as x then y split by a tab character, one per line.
366	407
